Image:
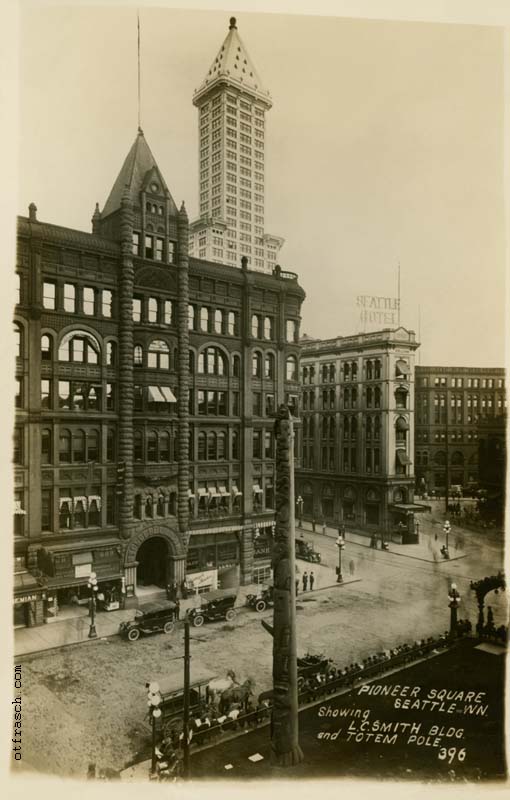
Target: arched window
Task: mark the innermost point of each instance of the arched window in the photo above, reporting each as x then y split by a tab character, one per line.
138	355
152	446
268	328
79	346
369	397
354	371
46	348
440	458
377	369
191	317
256	365
236	366
369	370
305	374
369	428
152	310
377	427
354	428
347	397
46	448
160	508
211	447
149	511
291	368
78	446
347	371
218	321
204	319
400	398
269	366
202	446
159	355
111	354
138	445
255	326
93	446
458	459
222	446
232	323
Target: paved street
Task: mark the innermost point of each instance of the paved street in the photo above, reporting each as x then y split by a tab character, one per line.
87	702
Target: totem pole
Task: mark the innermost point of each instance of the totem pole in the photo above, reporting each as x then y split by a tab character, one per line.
284	738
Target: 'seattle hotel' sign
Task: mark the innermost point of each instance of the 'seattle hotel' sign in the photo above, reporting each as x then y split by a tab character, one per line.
378	310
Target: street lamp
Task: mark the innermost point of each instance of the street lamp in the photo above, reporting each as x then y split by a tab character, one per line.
300	503
153	701
92	584
446	528
340	543
454	603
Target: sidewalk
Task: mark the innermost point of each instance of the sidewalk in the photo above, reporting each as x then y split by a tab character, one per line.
427	549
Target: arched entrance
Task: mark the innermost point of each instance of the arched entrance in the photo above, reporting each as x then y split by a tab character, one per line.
152	557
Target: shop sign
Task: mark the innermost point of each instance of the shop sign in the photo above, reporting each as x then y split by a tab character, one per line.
82	570
26	598
201	579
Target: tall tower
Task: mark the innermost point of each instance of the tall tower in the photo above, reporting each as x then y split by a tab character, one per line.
232	105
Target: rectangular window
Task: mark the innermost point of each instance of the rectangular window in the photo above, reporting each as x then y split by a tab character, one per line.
64	394
138	398
159	249
149	247
46	509
69	297
137	309
257	404
167	312
136	243
45	393
88	300
49	295
201	402
110	397
257	444
236	405
107	300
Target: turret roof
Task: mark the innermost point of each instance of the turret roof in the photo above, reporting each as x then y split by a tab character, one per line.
233	64
133	177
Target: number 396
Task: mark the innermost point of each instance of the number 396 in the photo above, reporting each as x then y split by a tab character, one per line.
451	753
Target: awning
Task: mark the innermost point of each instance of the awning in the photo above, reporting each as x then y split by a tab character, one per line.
17	508
235	491
405	507
82	558
213	492
64	583
402	424
24	581
191	496
81	499
168	394
95	543
223	491
202	492
402	458
155	395
257	489
65	500
95	498
403	366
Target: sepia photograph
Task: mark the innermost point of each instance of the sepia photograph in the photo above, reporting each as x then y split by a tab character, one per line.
257	449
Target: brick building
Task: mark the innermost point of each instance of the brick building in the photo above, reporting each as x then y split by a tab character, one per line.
358	430
450	402
146	379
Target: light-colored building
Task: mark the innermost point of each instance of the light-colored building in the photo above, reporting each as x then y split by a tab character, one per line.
232	104
358	431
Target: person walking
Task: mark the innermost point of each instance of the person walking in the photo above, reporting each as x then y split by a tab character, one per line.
313	524
351	567
312	580
323	526
177	611
305	581
297	586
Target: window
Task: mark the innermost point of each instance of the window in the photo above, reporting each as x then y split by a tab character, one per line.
138	398
257	444
78	445
152	310
93	446
232	324
46	509
138	355
268	445
171	252
65	447
138	445
136	243
69	297
164	446
268	328
152	446
168	312
159	249
218	321
89	297
137	309
46	448
18	337
45	393
79	347
269	371
255	326
149	247
257	404
49	295
106	302
111	352
18	446
256	365
212	361
110	445
110	397
45	347
291	330
291	368
158	355
191	318
64	394
236	366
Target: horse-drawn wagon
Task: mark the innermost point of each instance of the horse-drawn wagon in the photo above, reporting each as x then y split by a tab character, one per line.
171	689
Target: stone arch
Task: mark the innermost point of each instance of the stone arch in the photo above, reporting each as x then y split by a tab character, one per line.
175	545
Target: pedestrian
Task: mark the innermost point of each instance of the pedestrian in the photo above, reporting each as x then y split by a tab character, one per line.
312	580
351	567
305	581
297	586
313	524
323	526
177	611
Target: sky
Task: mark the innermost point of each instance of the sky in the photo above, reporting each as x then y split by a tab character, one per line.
384	146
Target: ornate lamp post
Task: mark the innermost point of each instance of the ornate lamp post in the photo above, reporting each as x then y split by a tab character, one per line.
340	543
447	528
454	603
153	701
300	503
92	585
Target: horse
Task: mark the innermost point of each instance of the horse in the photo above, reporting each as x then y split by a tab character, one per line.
236	694
220	685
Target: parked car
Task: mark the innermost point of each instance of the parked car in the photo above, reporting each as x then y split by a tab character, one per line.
149	618
307	551
456	490
213	606
261	600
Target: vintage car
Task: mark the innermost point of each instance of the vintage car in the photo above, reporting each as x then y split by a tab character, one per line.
307	551
149	618
261	600
213	606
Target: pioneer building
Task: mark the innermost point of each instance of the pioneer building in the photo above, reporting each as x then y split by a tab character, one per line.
146	381
358	430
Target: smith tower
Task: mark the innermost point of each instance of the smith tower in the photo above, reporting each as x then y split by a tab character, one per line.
232	104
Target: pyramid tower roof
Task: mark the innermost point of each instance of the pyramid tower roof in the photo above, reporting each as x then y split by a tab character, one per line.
233	65
133	177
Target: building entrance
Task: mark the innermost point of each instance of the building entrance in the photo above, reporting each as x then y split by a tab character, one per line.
152	560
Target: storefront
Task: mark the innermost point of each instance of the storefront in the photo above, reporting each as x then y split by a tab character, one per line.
262	548
213	561
28	601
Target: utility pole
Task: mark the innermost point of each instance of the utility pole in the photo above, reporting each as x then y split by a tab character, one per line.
185	718
284	732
